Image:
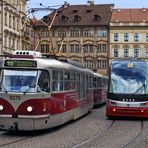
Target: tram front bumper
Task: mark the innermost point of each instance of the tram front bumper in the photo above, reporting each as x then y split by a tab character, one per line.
23	123
113	111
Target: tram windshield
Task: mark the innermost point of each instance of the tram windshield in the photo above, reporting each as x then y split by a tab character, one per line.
22	80
128	77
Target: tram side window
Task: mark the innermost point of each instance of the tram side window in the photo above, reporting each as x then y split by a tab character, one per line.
104	83
73	81
100	82
78	85
89	81
95	82
83	86
44	81
67	80
57	84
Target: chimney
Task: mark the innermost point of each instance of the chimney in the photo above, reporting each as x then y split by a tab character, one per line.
89	3
66	4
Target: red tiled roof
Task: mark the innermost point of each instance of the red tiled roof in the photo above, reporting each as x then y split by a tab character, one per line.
87	15
130	15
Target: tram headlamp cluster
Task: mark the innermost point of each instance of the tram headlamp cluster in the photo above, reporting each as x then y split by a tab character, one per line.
1	107
29	108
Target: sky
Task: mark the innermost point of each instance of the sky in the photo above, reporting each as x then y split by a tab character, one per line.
58	3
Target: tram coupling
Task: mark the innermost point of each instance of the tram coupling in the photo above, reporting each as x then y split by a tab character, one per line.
14	127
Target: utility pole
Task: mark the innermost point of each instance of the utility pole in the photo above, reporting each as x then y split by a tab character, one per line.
32	10
1	27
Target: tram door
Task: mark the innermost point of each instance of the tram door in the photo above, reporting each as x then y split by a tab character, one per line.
81	87
78	85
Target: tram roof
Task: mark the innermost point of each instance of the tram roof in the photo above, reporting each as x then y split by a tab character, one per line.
57	64
45	63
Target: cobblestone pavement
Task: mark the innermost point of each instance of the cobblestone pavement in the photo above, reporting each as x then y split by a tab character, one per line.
73	133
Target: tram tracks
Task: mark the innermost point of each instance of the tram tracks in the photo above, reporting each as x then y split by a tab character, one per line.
137	137
15	138
12	142
98	134
18	137
117	133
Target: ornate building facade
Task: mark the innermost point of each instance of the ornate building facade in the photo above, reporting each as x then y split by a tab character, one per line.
12	16
78	32
129	33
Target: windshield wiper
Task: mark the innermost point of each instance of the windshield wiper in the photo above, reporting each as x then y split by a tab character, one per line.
142	86
26	90
2	86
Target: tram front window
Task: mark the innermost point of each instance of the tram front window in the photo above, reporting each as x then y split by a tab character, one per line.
19	80
128	80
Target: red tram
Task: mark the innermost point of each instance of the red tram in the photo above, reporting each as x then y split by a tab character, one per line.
100	89
39	93
128	89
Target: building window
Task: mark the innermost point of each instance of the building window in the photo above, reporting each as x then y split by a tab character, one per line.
17	44
5	42
126	53
136	37
101	48
64	18
74	48
126	37
102	64
74	32
116	36
17	24
14	22
44	33
61	33
88	48
31	33
116	52
146	53
62	48
77	18
102	33
45	48
146	37
6	18
88	64
9	42
88	33
136	53
10	20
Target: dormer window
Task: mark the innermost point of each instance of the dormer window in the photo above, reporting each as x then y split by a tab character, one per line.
89	10
64	18
75	10
46	18
77	18
96	17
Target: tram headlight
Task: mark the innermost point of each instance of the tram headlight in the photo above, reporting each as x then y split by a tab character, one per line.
29	108
1	107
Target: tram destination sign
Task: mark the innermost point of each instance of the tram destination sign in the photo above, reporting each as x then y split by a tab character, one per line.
20	63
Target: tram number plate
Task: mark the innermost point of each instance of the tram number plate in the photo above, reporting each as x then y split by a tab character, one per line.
15	98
